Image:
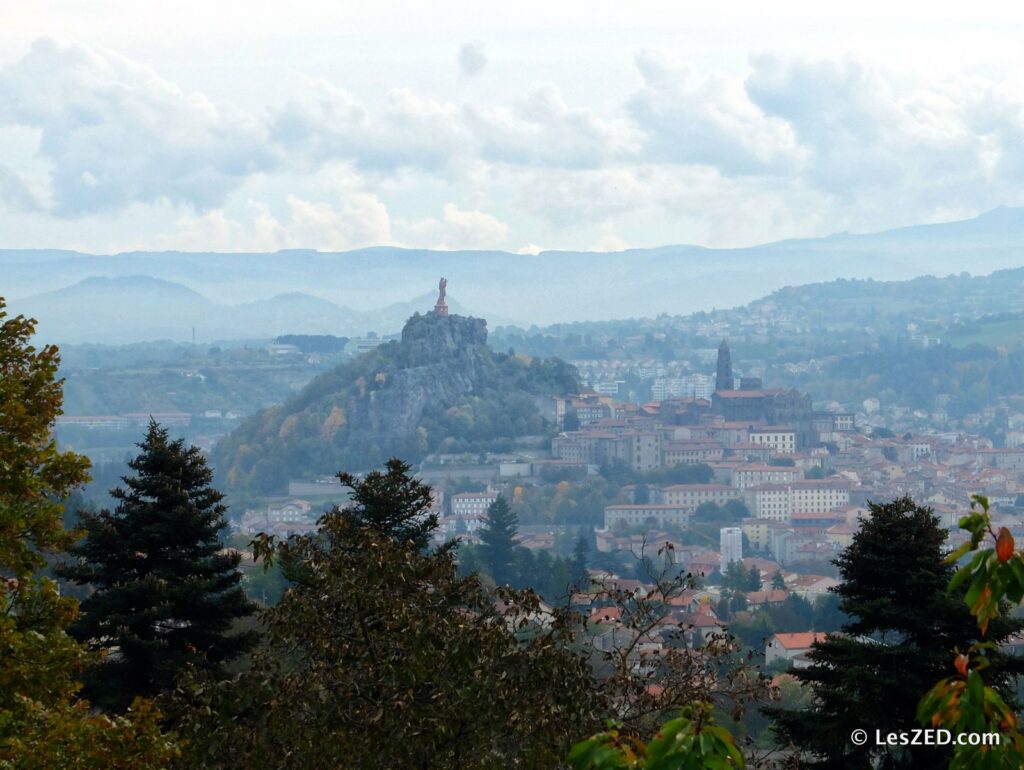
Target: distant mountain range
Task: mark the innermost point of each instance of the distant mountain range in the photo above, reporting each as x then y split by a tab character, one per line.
138	308
151	295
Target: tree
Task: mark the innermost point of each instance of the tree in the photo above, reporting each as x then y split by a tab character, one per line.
901	630
739	578
571	421
393	503
692	741
43	723
641	494
166	593
778	582
963	702
578	565
383	656
498	537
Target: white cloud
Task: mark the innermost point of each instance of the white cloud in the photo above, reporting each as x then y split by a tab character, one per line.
609	242
114	133
17	193
326	123
884	143
472	59
696	119
459	229
593	196
786	146
360	220
531	249
544	131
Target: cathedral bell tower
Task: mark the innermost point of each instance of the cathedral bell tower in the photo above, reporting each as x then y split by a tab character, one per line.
723	374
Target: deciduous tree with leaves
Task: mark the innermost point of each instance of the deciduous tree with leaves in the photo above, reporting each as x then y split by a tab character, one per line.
966	701
43	722
381	655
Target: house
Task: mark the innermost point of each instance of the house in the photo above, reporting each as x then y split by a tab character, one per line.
757	600
787	647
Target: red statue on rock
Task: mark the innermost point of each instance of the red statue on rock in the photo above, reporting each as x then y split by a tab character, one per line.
441	308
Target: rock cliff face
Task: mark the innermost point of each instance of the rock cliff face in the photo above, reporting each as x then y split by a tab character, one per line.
441	359
441	386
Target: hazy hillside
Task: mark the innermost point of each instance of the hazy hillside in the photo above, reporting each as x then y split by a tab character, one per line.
139	308
543	288
441	386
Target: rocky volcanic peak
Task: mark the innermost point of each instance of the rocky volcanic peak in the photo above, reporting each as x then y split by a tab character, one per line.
431	337
442	358
405	398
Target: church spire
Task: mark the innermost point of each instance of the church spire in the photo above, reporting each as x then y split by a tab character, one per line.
723	373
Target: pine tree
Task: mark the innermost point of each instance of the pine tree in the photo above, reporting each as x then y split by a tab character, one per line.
498	536
898	640
778	582
578	565
392	503
166	594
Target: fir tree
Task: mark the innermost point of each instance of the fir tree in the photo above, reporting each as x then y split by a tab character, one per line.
166	594
898	640
392	503
578	565
778	582
498	536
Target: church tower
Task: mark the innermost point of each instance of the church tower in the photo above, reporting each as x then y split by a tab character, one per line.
723	374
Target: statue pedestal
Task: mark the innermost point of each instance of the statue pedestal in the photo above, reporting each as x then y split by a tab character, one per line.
441	308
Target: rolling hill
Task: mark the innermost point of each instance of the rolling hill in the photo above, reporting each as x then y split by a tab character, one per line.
543	288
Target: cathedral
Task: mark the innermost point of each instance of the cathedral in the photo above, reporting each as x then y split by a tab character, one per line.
755	403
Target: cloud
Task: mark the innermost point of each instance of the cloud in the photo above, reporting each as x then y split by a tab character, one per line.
326	123
531	249
17	193
542	130
609	242
459	229
791	146
472	59
883	143
590	196
695	119
115	133
360	220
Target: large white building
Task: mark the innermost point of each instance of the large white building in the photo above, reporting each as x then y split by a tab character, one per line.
730	545
780	440
472	504
780	501
692	496
648	513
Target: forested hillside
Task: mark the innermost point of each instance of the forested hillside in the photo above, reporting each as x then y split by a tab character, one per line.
440	387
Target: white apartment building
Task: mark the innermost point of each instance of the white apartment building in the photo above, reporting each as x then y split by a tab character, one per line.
748	476
779	502
656	513
780	440
472	504
730	545
692	496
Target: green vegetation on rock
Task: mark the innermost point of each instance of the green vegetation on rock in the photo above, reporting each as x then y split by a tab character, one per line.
439	388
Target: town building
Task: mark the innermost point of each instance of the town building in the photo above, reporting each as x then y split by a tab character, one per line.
730	545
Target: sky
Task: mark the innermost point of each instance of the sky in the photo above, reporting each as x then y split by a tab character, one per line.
527	126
